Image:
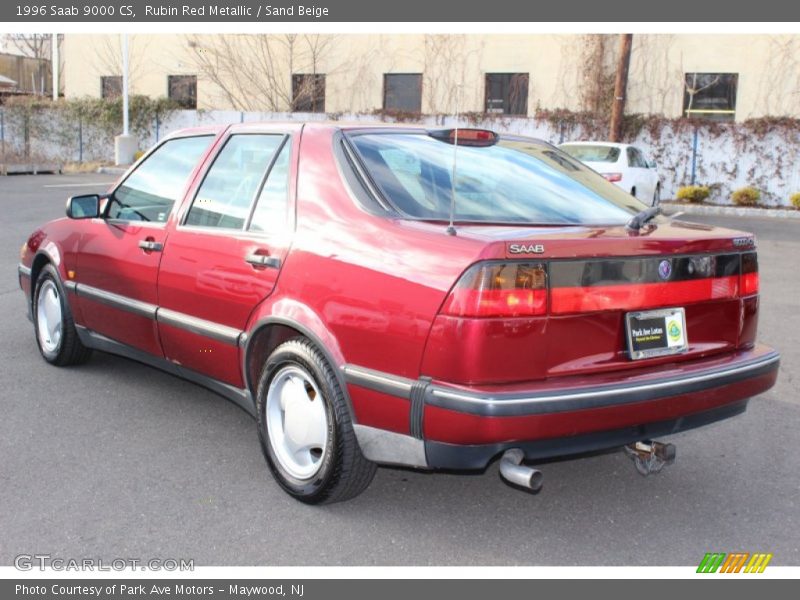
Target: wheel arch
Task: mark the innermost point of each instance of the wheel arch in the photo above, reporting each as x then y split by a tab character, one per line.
270	332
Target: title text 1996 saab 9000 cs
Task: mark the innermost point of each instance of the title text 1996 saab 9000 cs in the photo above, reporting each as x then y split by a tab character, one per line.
429	298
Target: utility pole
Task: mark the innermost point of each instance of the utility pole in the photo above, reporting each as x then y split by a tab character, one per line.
125	145
55	64
620	86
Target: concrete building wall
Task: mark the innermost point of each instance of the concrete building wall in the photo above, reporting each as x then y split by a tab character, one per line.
560	68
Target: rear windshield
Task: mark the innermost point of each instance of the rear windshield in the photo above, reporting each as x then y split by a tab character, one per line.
587	153
514	181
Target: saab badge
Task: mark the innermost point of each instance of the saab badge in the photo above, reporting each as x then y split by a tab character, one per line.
526	248
664	269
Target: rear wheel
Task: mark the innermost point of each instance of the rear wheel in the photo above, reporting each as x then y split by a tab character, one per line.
633	192
305	428
657	196
56	335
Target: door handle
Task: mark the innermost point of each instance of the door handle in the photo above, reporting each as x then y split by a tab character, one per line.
263	260
151	246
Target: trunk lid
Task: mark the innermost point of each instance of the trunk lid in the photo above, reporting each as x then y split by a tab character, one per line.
594	278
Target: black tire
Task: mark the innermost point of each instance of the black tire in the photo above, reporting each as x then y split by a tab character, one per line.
657	196
69	350
344	472
633	192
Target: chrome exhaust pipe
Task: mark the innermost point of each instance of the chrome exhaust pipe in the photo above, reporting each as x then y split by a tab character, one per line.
513	471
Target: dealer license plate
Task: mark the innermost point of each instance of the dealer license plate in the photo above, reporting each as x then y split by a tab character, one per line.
656	332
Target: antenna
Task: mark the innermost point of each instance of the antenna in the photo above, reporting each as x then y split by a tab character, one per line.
451	230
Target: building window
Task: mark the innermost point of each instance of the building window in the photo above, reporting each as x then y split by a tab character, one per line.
507	93
110	87
710	95
182	89
402	92
308	92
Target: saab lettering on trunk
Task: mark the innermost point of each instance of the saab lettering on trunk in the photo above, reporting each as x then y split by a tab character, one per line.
526	248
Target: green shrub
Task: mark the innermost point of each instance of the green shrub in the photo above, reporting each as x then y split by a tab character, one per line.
746	196
693	193
794	199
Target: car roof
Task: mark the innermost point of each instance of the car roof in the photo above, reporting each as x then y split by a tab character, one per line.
598	143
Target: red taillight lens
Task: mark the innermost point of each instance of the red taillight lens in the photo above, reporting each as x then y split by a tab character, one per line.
466	137
613	177
749	274
499	290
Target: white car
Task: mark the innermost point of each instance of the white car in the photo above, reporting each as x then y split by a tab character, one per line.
622	164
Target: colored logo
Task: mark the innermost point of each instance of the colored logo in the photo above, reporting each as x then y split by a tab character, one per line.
664	269
736	562
674	331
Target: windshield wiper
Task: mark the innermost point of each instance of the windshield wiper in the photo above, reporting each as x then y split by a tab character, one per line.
643	217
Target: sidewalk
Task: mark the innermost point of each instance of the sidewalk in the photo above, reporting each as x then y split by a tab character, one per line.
671	208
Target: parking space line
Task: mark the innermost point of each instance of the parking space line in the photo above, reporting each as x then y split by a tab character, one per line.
88	183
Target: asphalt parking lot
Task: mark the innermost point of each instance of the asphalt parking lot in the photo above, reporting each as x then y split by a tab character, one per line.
115	459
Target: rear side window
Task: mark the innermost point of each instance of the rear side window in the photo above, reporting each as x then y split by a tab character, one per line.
514	181
270	212
588	153
231	184
150	192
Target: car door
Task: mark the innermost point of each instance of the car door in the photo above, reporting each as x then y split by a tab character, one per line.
119	254
225	253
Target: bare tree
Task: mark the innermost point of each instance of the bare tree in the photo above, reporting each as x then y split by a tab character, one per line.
108	57
265	72
33	45
447	61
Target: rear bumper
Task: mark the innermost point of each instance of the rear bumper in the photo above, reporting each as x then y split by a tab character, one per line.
463	427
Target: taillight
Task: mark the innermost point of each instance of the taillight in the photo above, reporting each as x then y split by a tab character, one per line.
499	290
748	285
613	177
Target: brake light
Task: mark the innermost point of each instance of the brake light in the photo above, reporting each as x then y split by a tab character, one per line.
466	137
749	274
499	290
612	177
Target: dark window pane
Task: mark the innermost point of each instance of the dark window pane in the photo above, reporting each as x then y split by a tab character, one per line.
710	95
149	193
507	93
308	92
183	90
514	181
402	92
227	192
271	208
110	86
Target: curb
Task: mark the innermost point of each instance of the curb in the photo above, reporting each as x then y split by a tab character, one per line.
731	211
113	170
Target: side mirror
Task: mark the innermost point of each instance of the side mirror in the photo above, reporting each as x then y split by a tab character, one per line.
84	207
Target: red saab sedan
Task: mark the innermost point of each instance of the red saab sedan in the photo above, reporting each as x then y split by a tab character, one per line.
397	295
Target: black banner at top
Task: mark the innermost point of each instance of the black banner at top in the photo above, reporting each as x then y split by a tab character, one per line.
339	11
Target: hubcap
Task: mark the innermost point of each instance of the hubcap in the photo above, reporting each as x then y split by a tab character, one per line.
297	422
48	316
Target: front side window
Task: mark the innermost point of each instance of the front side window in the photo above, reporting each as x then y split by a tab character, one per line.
402	92
514	181
227	192
150	192
710	95
507	93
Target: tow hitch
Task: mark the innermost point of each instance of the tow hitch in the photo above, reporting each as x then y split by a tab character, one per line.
650	457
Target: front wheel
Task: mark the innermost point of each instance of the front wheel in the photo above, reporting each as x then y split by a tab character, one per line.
305	428
56	335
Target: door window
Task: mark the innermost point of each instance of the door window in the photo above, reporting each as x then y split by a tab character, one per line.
149	193
271	211
635	159
227	192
